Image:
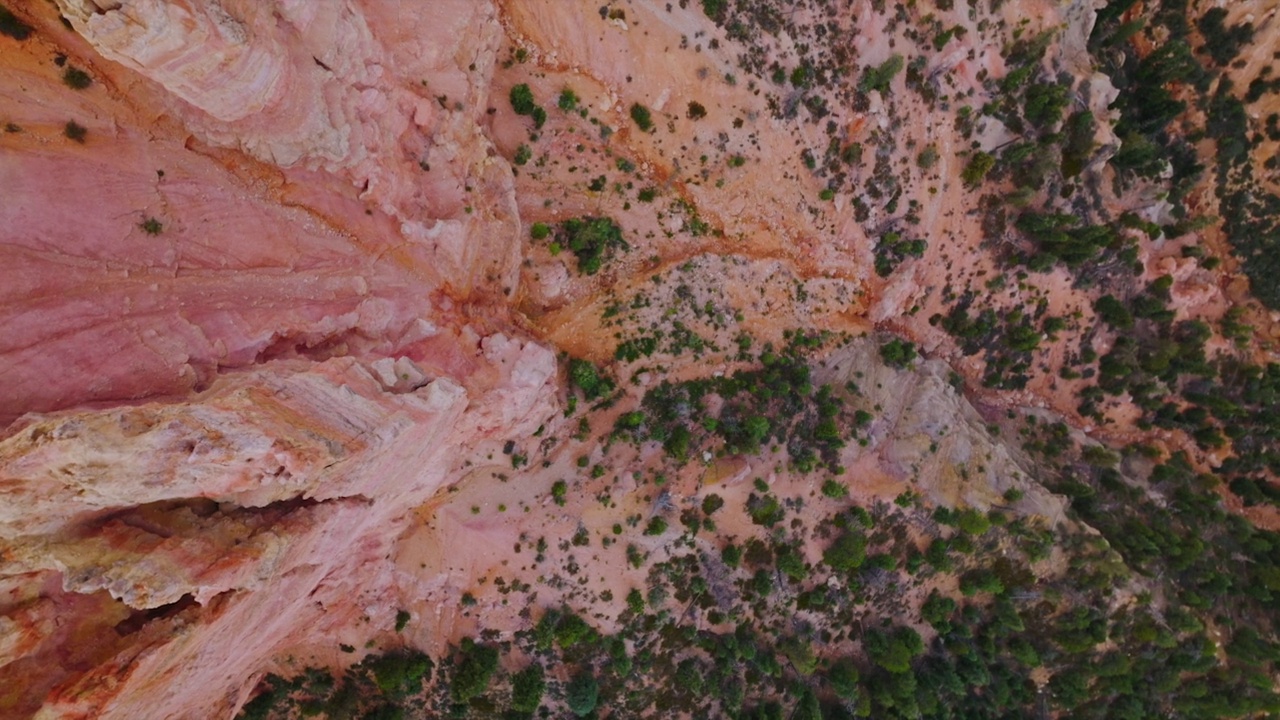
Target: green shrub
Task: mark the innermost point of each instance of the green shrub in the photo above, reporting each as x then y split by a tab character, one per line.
475	668
401	673
893	650
731	555
1044	103
588	379
642	117
522	100
593	240
977	168
712	503
1113	312
13	27
878	77
568	100
75	78
766	510
847	553
928	157
843	678
972	522
980	580
527	687
898	353
715	9
1223	43
789	562
582	693
75	131
572	630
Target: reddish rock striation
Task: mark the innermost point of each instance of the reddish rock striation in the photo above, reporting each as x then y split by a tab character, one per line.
295	353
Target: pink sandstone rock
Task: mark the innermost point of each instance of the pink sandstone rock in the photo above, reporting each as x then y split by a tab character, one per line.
226	423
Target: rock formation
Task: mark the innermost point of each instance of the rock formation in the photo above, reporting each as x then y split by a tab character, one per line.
282	302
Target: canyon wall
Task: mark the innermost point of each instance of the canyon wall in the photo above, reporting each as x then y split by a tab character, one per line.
228	415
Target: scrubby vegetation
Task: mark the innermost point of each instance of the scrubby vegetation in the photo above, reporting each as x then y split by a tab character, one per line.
75	78
642	117
775	405
11	26
593	240
769	632
75	131
523	103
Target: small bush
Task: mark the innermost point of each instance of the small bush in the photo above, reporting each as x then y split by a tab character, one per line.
927	157
151	226
401	673
847	553
527	687
582	693
642	117
766	511
1113	312
13	27
979	165
657	525
712	503
894	650
972	522
75	78
75	131
833	489
898	353
593	240
474	670
588	379
878	77
843	678
715	9
568	100
522	100
1044	103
